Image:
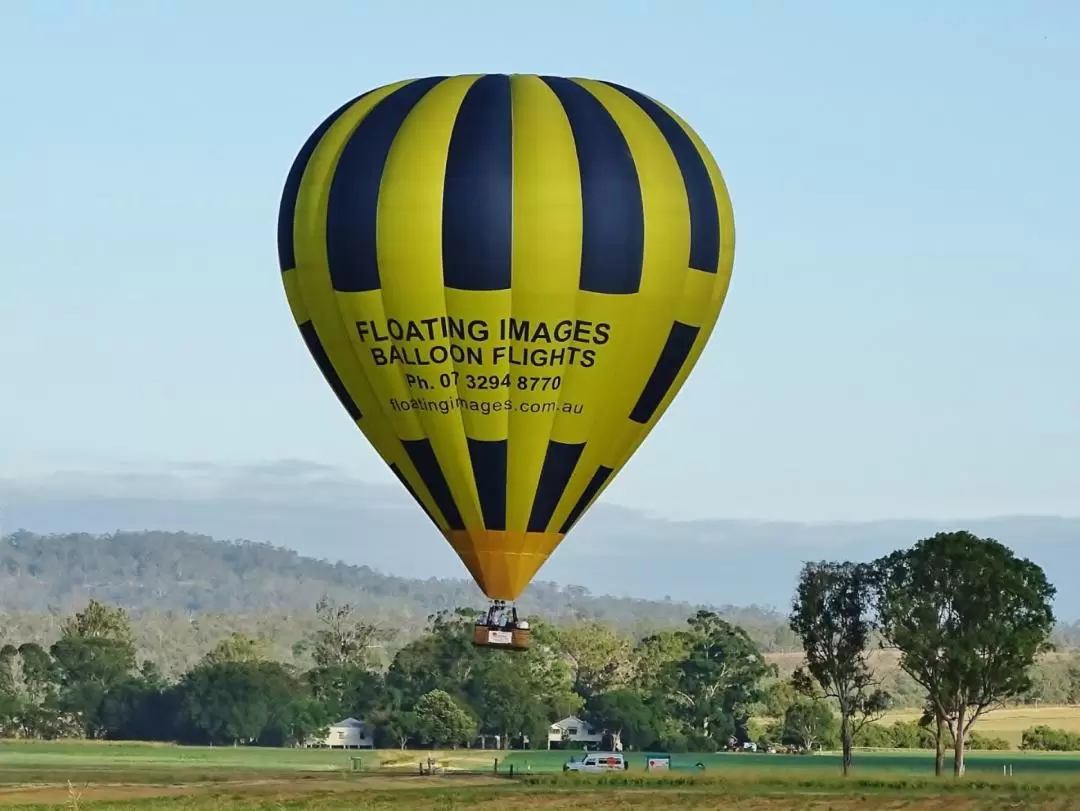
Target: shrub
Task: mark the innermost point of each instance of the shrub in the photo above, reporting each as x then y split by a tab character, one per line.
977	740
1046	739
874	735
909	735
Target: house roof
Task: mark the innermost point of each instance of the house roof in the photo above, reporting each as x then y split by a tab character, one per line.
571	721
350	722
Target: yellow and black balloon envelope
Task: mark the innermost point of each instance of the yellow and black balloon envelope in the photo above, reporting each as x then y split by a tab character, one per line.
505	280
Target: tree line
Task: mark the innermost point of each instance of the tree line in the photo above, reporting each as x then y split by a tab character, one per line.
966	618
692	688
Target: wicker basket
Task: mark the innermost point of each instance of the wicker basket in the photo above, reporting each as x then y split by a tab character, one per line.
516	639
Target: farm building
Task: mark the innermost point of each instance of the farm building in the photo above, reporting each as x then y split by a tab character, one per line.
572	733
347	734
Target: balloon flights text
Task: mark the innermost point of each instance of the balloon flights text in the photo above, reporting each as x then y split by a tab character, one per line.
520	342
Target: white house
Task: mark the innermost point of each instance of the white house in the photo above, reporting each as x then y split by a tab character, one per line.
573	733
347	734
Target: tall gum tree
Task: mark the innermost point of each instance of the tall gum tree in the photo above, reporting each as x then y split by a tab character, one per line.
832	614
968	618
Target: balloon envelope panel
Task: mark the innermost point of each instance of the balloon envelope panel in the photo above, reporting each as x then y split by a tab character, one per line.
505	280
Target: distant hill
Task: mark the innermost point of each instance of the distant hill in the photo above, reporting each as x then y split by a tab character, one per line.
186	573
187	591
324	514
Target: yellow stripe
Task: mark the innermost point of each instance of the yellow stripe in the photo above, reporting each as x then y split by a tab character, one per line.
348	308
704	293
546	260
724	266
723	205
334	327
697	303
409	239
640	322
295	296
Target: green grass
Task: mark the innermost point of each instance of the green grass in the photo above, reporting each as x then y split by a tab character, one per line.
94	753
83	756
148	777
899	761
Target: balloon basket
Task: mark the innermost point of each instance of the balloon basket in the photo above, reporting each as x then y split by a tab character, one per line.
499	627
515	639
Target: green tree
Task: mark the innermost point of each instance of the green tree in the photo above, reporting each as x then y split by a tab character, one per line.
626	715
654	656
99	621
1073	690
234	702
714	685
299	719
832	615
398	727
343	638
600	658
36	677
238	647
809	723
95	651
506	701
545	668
442	659
138	708
777	697
968	618
347	690
441	722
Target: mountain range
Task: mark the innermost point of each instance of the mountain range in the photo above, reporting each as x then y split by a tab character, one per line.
323	513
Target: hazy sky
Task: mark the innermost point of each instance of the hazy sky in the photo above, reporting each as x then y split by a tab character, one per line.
901	336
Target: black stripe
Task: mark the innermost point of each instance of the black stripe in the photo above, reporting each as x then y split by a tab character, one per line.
489	470
351	213
672	357
287	208
401	478
478	197
427	466
613	219
559	463
704	216
601	475
315	347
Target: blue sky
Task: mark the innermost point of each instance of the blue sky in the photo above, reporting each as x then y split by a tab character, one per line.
901	335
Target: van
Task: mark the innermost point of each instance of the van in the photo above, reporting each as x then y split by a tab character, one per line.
597	762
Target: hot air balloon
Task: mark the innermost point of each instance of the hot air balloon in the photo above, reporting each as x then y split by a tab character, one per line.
505	280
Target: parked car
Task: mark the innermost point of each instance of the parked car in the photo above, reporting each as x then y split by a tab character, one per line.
597	762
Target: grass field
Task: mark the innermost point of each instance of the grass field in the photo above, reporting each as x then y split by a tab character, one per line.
83	776
1010	723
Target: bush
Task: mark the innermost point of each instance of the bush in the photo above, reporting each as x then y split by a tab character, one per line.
909	735
977	740
875	736
1046	739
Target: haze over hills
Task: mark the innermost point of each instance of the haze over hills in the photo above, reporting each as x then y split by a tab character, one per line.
322	513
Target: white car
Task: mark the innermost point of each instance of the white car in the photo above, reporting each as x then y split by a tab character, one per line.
597	762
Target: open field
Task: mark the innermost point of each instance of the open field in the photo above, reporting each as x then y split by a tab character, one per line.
749	790
1010	723
22	762
83	776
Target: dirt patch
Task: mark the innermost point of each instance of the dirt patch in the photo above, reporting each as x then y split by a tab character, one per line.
63	795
